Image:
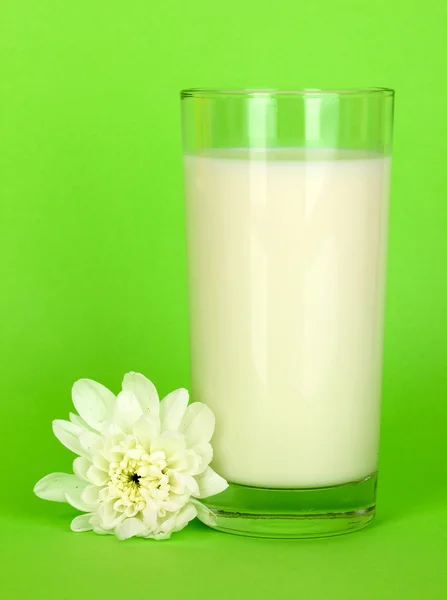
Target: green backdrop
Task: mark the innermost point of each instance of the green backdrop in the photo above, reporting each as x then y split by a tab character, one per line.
93	281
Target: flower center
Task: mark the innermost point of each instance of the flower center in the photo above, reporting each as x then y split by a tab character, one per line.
138	480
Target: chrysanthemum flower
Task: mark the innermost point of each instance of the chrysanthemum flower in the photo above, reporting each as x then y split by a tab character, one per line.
143	465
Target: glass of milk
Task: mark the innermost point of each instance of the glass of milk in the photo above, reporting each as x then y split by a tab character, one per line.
287	195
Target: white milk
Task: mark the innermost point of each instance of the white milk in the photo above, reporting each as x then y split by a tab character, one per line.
286	258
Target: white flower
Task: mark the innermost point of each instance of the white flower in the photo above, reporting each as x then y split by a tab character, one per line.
142	465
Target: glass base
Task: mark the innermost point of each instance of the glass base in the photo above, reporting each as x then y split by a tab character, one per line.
294	514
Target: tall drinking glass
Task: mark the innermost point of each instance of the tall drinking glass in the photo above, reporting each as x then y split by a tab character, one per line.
287	208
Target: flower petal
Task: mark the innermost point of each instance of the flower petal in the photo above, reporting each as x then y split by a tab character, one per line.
144	391
111	430
81	523
109	517
197	424
77	420
176	485
210	483
160	536
179	520
171	444
101	531
90	495
101	462
97	476
90	442
187	514
68	434
93	401
150	518
55	485
129	528
74	498
204	513
98	528
80	467
146	429
172	409
176	501
190	483
205	451
193	462
127	410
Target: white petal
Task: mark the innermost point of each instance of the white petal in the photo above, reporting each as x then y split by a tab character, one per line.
91	495
171	444
81	523
77	420
190	483
204	514
179	463
197	424
144	391
210	483
100	461
205	451
193	463
90	442
68	434
111	430
127	410
93	401
160	536
97	476
187	514
100	531
74	498
56	485
109	518
157	459
177	484
150	518
105	493
96	523
172	409
129	528
136	453
176	502
144	534
131	511
146	429
80	467
179	520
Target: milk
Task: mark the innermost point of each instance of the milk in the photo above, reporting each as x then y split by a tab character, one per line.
286	262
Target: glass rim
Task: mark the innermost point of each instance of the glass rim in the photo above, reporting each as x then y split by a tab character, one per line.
309	92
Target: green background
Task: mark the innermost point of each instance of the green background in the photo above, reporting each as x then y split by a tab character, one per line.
93	280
